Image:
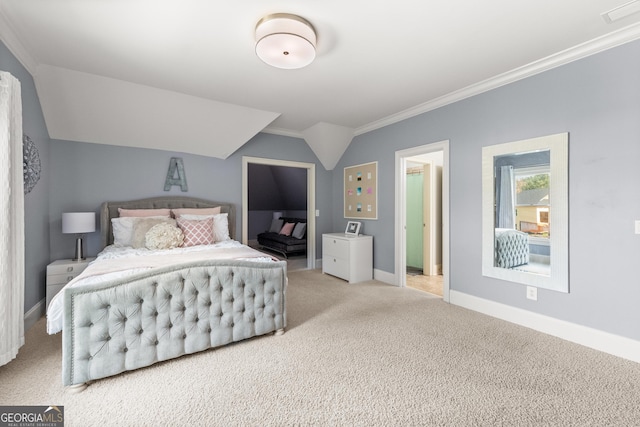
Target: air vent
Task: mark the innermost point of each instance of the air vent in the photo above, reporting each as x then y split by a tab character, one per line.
620	12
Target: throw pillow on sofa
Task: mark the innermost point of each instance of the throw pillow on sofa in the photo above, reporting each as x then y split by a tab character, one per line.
276	225
287	229
298	230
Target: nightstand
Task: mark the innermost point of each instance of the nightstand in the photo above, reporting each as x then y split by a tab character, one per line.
348	257
61	272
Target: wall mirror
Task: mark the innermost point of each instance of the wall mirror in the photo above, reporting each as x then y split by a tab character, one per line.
525	201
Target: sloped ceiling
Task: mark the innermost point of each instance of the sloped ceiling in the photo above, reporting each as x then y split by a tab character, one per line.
183	75
89	108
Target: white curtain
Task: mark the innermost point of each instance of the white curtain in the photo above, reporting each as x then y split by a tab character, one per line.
506	199
11	220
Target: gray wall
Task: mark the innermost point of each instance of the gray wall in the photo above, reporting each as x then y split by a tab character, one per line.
596	100
84	175
36	203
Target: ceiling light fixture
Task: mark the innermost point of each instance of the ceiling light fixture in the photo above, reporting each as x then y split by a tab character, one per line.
285	41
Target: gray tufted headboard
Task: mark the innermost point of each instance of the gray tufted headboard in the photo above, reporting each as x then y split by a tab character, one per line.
110	210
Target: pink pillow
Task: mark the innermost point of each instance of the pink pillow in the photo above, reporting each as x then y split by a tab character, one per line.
196	232
144	212
287	228
195	211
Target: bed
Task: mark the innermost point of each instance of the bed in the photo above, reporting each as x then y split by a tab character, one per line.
512	248
133	307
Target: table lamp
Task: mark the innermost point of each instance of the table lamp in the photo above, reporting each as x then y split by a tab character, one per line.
79	223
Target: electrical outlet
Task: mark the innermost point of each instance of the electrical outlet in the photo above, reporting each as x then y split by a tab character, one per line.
532	293
637	226
317	212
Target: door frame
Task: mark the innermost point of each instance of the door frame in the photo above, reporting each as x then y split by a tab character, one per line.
311	200
401	157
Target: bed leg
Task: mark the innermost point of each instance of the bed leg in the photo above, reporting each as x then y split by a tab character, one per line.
77	388
279	332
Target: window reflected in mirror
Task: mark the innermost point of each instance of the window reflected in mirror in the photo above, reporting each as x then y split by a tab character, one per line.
522	211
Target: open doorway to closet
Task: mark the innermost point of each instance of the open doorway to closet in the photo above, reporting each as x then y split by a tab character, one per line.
293	183
422	217
424	222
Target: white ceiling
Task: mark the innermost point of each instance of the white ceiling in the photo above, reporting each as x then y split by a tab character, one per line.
182	75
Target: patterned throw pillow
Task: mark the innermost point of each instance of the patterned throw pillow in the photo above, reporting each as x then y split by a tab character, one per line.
196	232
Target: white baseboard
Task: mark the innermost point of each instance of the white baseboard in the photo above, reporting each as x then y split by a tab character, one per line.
589	337
383	276
34	314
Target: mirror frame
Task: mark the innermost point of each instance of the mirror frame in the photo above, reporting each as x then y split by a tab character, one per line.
558	145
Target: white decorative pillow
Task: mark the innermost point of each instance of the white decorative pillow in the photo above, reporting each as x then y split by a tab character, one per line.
123	229
196	232
220	225
164	236
143	225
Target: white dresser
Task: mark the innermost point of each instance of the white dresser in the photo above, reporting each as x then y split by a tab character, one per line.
348	257
60	272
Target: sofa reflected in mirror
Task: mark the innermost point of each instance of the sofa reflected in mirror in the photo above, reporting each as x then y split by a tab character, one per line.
525	212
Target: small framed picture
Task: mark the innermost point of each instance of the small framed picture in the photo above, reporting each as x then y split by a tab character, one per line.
353	228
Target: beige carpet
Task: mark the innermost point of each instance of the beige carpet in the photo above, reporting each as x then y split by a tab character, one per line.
364	354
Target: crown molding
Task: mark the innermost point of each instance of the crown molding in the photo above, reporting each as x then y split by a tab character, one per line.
8	37
599	44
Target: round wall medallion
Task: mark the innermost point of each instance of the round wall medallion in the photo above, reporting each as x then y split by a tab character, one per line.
30	164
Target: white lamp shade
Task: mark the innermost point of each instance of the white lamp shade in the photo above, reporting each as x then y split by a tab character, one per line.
285	41
78	222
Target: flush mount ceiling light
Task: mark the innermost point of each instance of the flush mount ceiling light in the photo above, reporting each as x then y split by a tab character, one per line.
285	41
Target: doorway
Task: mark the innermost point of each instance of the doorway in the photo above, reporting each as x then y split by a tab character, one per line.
433	230
424	222
311	197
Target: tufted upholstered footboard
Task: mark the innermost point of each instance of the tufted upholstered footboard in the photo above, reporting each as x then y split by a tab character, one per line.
512	248
150	317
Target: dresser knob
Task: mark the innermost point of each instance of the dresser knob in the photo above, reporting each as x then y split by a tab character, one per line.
69	269
70	278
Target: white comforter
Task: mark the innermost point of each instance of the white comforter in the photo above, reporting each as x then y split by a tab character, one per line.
115	262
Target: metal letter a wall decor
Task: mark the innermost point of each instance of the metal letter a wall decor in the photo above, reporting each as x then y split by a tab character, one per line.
176	167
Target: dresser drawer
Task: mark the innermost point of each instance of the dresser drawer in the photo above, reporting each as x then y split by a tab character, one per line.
338	248
60	279
73	269
335	266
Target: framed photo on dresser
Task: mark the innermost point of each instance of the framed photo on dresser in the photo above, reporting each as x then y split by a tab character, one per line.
353	228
